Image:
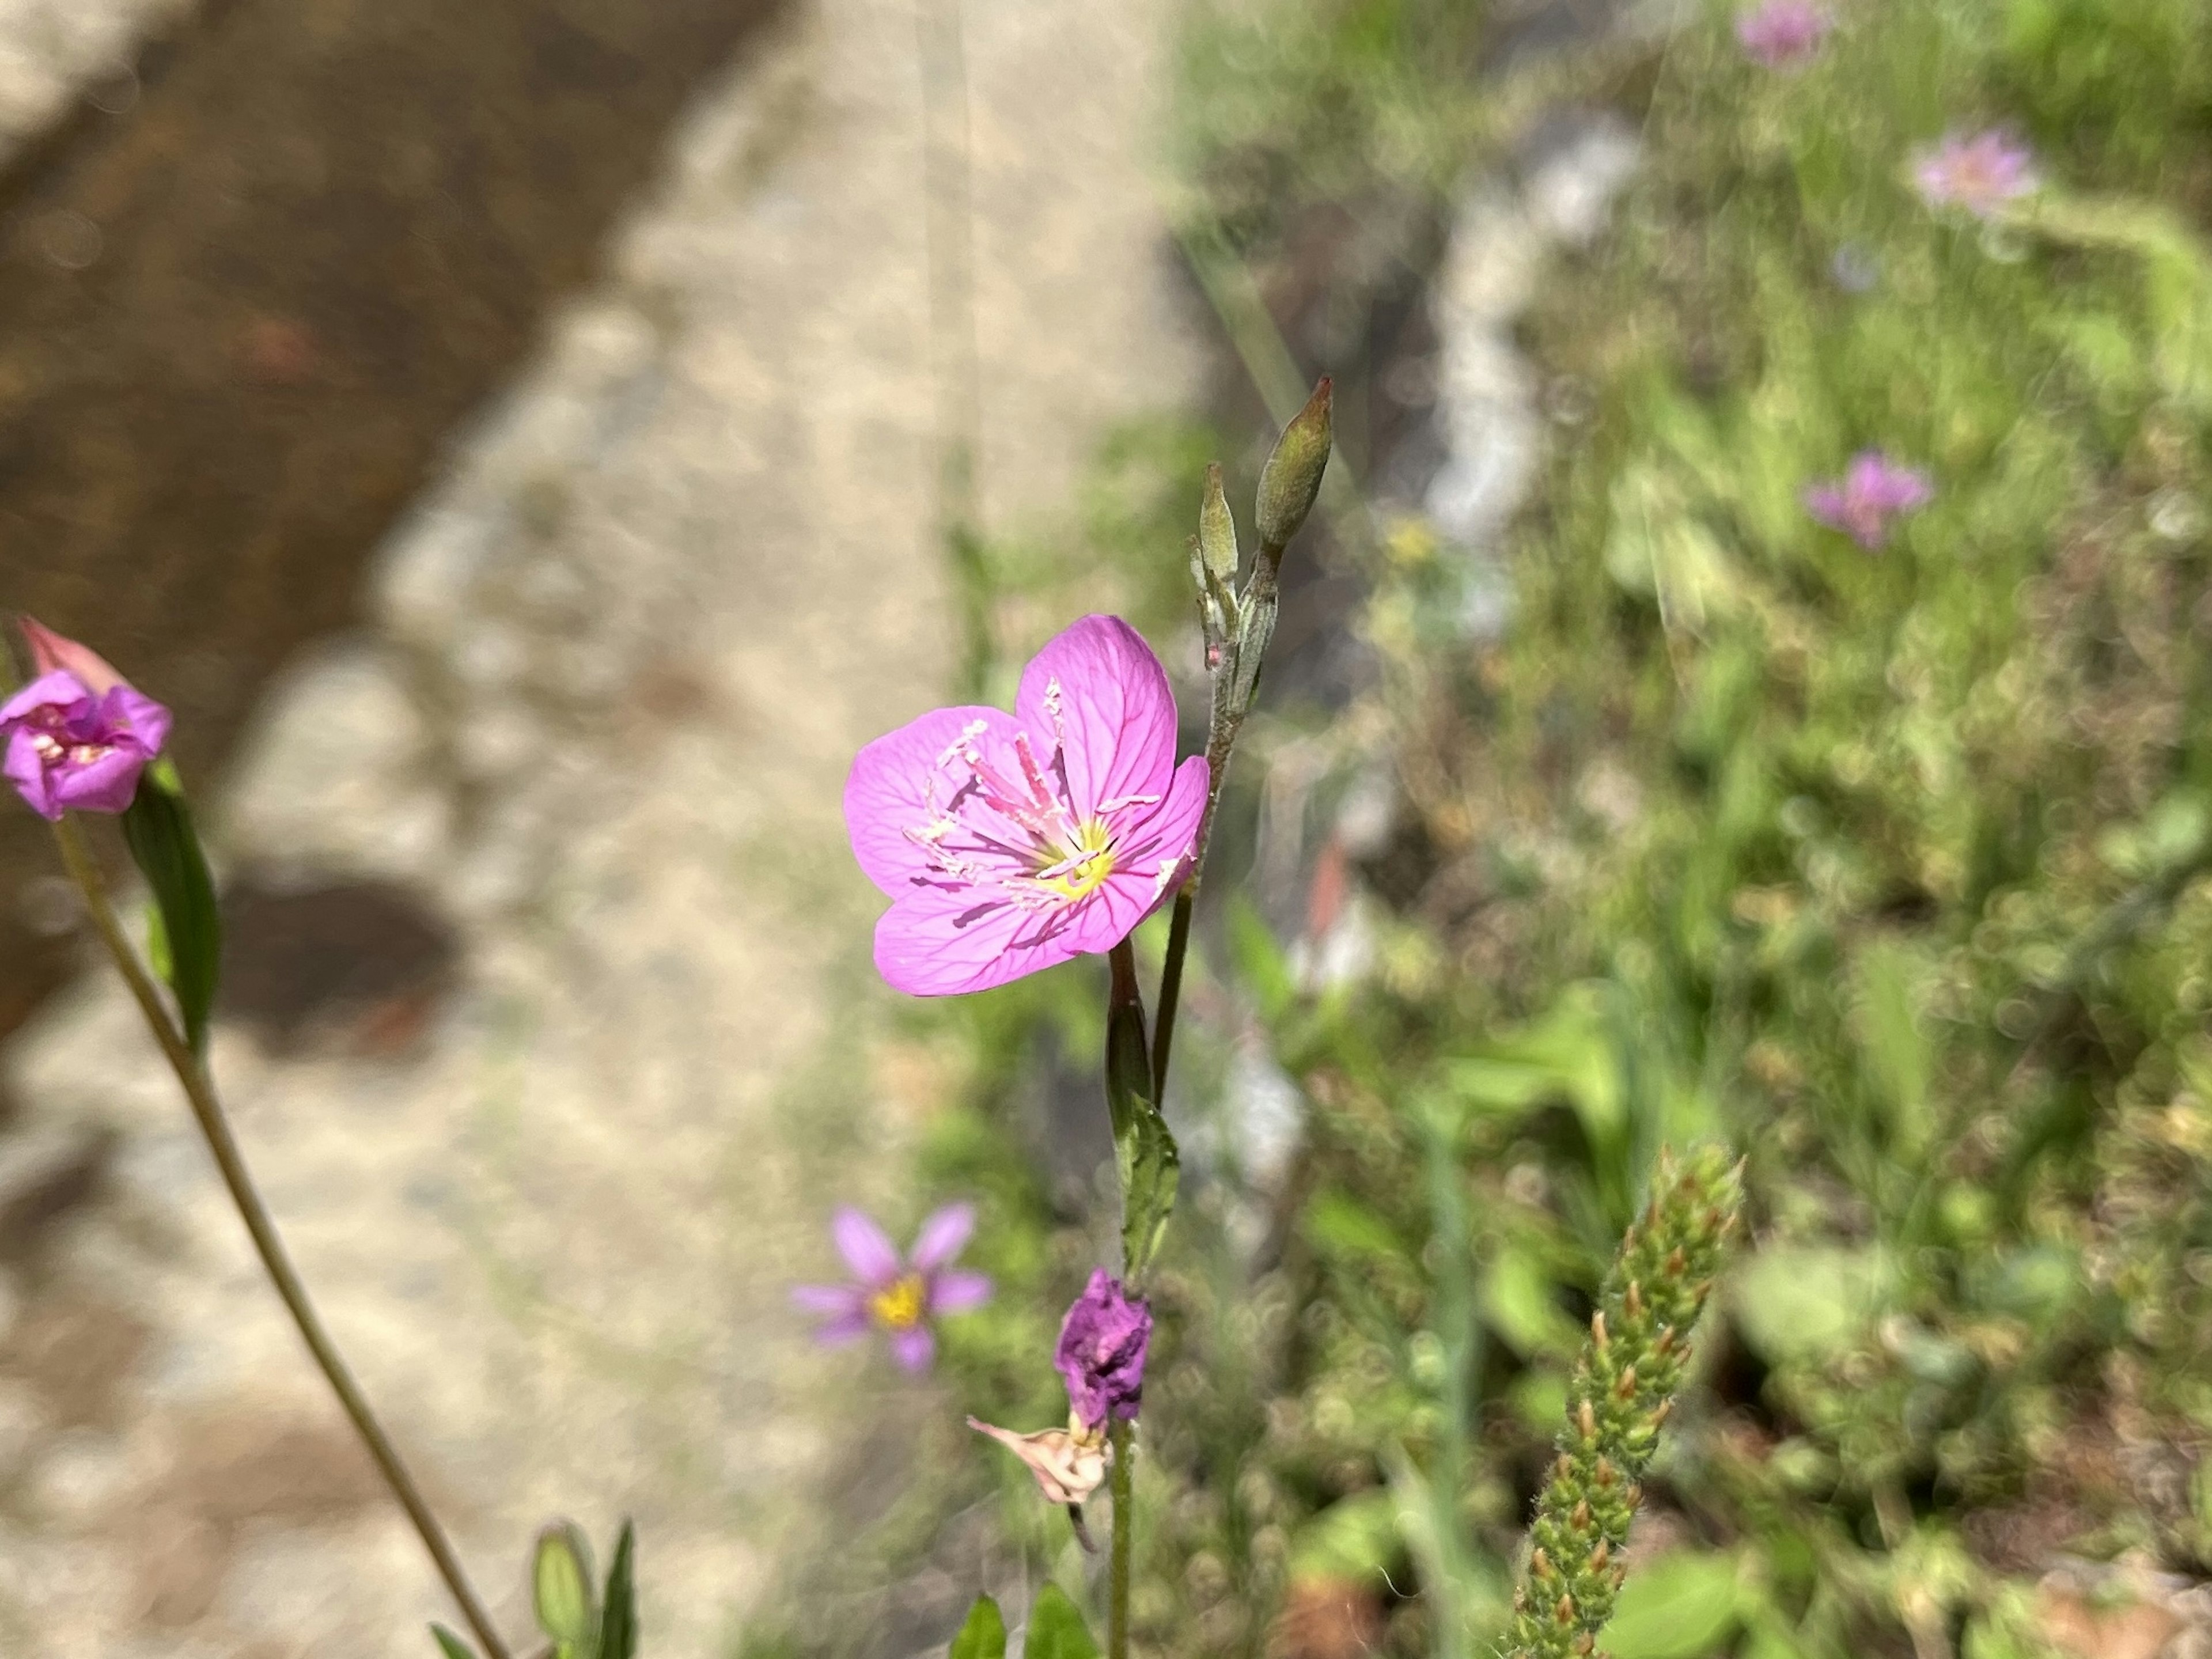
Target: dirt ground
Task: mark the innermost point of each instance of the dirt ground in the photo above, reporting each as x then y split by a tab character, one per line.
551	1034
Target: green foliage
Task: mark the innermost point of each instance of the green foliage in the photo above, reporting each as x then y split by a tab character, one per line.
562	1594
983	1635
186	930
1056	1629
450	1645
618	1626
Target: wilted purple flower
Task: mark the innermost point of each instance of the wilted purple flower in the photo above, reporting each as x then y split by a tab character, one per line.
79	735
899	1297
1980	173
1102	1352
1784	33
1873	491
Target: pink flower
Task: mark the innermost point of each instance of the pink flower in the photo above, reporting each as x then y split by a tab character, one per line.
1784	34
79	735
1873	491
1012	843
898	1297
1980	173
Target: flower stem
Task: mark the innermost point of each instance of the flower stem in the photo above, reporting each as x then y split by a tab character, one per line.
1117	1593
1171	986
200	1090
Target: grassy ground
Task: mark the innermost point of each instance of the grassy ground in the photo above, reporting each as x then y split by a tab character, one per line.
1890	868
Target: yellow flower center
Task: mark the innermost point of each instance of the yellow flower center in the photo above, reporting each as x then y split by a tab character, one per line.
1084	867
899	1307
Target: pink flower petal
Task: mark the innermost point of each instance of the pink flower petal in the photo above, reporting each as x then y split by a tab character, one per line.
843	1331
58	690
50	651
913	1349
830	1301
956	1292
1152	855
933	943
868	1250
943	1237
1097	688
28	773
898	785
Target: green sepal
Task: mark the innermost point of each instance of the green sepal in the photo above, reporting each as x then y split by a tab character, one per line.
618	1627
158	829
1056	1629
984	1634
1145	1155
561	1591
449	1645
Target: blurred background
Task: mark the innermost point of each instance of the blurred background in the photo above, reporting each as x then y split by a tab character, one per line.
532	445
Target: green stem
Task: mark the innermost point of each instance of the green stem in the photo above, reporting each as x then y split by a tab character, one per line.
200	1090
1117	1598
1171	988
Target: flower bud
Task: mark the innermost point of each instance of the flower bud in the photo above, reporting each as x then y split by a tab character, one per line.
1217	529
561	1589
1292	477
1068	1463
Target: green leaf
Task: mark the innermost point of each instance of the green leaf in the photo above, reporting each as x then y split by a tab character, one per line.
1681	1607
1338	1225
1518	1300
1800	1303
984	1634
1892	986
158	827
560	1590
1260	960
618	1631
1056	1629
1353	1538
1145	1155
452	1646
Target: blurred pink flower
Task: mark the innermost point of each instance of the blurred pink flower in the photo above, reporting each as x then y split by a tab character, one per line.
1980	173
1873	491
79	735
1785	33
1012	843
900	1297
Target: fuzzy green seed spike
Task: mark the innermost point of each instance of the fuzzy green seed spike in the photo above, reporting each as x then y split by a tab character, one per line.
1623	1386
1292	479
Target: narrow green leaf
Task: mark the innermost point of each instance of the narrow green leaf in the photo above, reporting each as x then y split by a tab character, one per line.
452	1646
158	827
1056	1629
984	1635
618	1630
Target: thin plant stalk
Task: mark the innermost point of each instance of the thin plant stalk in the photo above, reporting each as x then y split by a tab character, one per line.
1117	1592
207	1110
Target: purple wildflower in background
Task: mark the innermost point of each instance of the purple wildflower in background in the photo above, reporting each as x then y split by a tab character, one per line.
1873	491
1784	34
1010	842
1979	173
1102	1352
78	735
898	1297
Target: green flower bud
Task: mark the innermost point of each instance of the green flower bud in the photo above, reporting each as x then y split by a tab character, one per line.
1217	529
1292	477
560	1588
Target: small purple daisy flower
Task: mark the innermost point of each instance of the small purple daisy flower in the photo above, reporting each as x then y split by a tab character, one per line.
1784	34
1873	492
1979	173
898	1296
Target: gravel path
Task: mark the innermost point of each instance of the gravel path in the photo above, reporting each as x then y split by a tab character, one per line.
550	1176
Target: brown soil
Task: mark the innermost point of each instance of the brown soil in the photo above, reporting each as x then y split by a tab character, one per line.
237	322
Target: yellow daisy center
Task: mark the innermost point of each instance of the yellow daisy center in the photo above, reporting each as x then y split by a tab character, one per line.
899	1307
